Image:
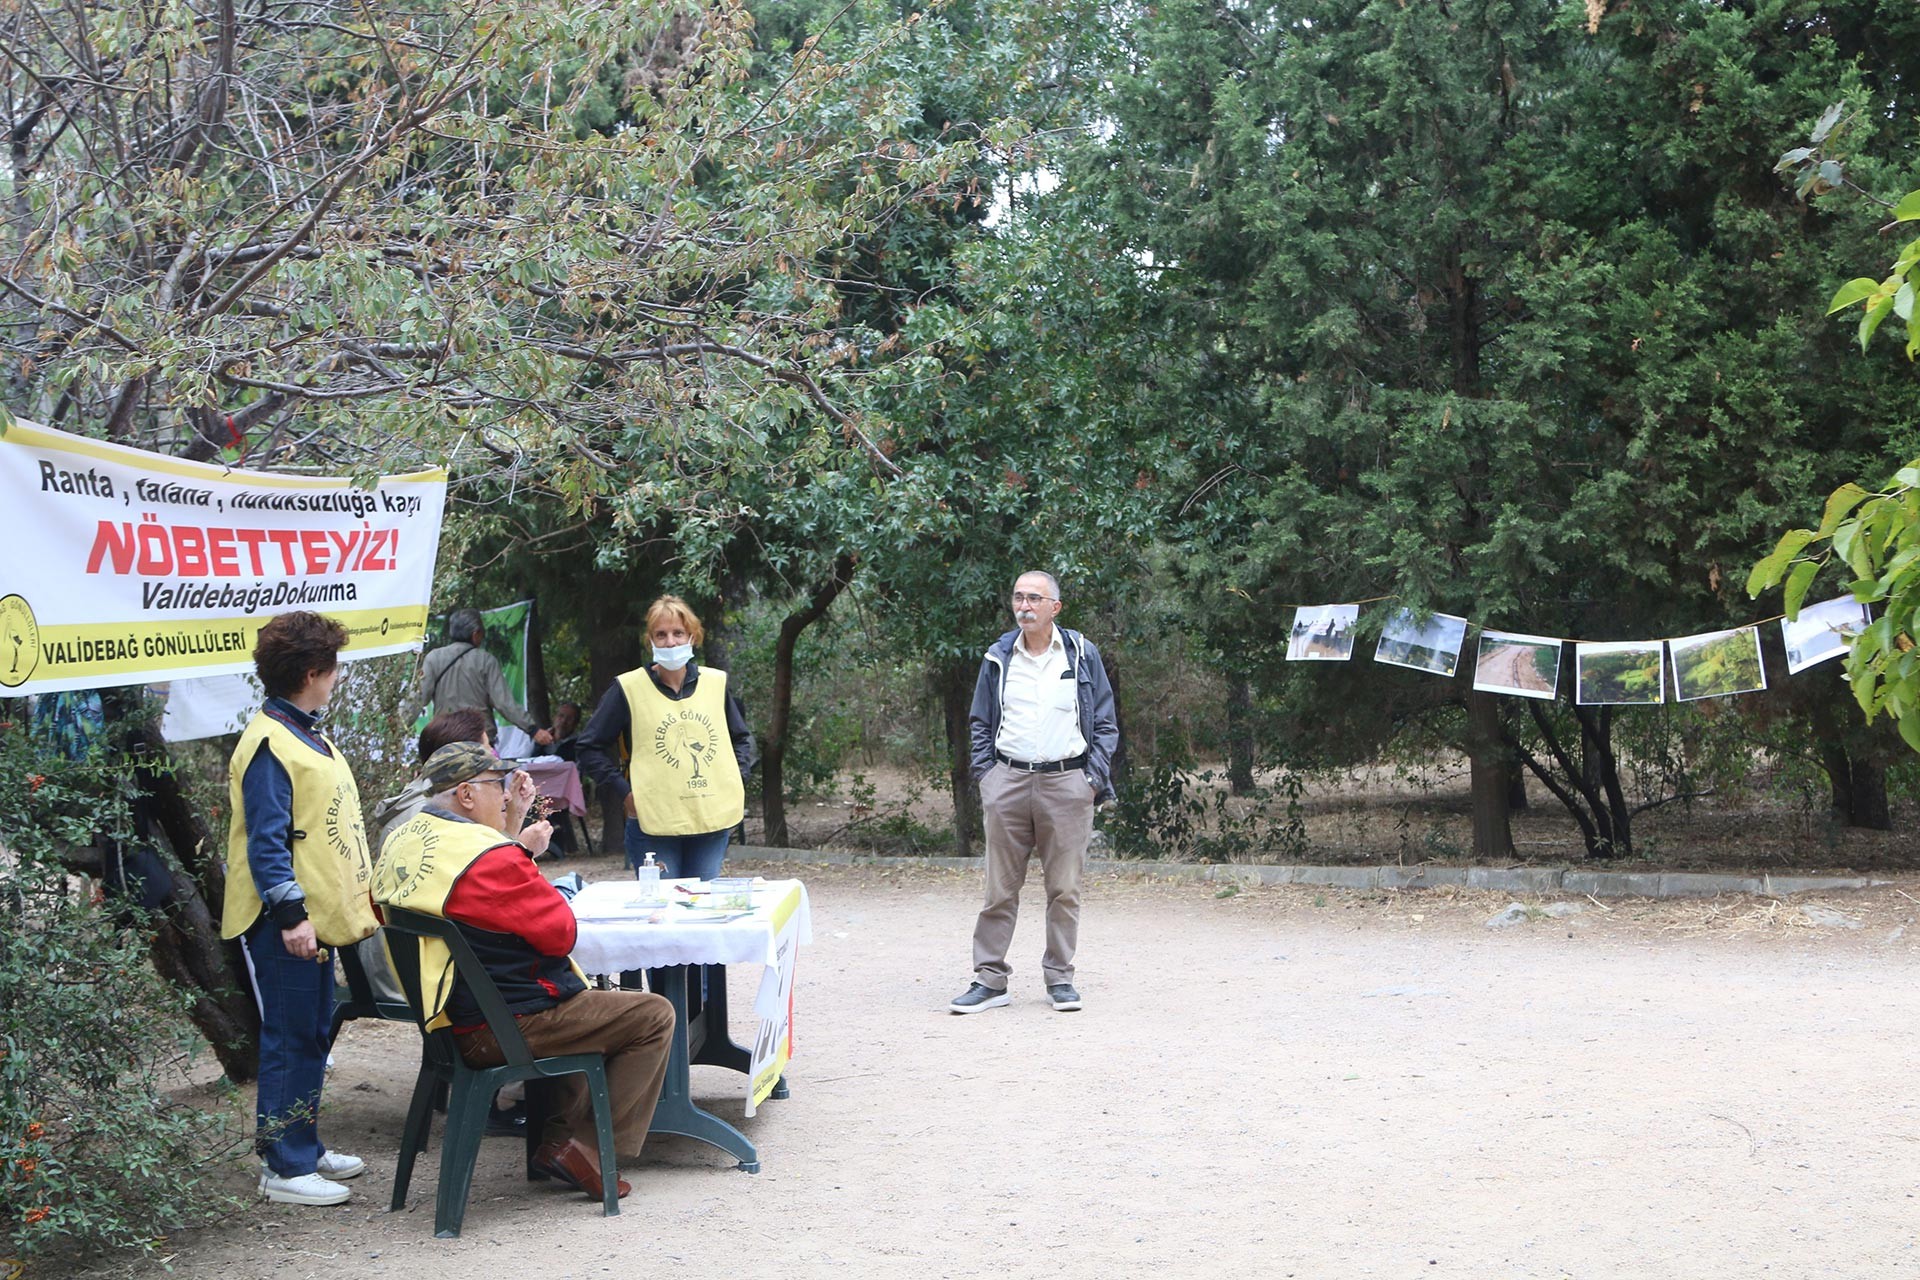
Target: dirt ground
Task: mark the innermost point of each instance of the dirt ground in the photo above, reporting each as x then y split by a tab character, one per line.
1279	1082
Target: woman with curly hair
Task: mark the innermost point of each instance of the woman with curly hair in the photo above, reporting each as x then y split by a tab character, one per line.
298	881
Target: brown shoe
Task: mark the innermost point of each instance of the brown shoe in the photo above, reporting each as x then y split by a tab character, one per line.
576	1165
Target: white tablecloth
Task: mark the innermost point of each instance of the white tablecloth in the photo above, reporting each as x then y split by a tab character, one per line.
615	936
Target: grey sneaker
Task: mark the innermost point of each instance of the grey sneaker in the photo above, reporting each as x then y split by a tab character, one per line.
977	997
308	1188
1064	997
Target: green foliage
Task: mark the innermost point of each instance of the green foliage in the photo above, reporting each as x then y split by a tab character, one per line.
95	1148
1467	305
1870	538
1871	542
1823	167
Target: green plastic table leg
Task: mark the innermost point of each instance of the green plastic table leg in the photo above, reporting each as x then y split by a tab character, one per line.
676	1112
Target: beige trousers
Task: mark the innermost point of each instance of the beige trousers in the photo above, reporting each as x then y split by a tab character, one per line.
633	1028
1048	816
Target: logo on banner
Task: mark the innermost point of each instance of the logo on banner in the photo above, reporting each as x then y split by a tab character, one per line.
19	641
687	740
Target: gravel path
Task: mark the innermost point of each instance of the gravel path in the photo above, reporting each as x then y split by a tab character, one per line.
1282	1082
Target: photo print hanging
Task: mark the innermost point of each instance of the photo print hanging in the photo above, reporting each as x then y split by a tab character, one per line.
1525	666
1621	672
1322	633
1822	631
1716	664
1433	646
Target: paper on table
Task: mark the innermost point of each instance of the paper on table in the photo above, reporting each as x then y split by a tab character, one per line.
621	909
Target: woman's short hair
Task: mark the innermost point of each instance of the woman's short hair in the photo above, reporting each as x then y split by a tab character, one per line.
468	724
293	646
674	609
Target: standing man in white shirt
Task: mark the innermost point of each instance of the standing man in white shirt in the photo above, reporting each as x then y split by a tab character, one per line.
1044	736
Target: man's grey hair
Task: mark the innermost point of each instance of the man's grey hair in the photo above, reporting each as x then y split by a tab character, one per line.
1053	583
463	624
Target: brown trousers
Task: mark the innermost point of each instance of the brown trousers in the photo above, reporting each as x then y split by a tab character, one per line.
632	1028
1048	816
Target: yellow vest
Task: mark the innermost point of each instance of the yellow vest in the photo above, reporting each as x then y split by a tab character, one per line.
686	781
330	859
420	863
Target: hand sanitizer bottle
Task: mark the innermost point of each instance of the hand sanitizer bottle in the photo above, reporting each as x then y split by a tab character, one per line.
648	874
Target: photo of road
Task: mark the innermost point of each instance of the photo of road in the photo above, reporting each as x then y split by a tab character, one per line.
1528	666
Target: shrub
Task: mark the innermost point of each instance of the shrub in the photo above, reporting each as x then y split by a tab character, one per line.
93	1151
1178	815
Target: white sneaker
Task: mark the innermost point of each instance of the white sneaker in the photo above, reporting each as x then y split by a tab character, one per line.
308	1188
338	1166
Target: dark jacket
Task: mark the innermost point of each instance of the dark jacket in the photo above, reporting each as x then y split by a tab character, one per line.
1094	697
597	746
520	928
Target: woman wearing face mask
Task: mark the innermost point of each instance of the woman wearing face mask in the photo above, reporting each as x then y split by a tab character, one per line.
689	750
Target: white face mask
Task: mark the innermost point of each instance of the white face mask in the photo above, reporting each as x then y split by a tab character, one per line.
674	656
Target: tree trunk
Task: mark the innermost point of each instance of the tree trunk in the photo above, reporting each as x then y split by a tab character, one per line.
956	700
1487	752
1612	816
1869	799
1240	735
1516	789
188	950
613	648
1586	784
1857	787
773	746
539	705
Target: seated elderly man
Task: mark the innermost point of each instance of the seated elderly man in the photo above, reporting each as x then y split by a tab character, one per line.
452	860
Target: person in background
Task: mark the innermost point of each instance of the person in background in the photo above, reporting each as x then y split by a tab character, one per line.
468	724
1044	734
566	730
298	877
566	744
522	929
685	781
462	673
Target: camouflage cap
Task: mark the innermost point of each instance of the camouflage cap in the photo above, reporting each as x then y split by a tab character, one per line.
459	762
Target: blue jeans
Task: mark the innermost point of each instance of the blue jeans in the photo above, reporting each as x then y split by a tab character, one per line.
296	1006
680	857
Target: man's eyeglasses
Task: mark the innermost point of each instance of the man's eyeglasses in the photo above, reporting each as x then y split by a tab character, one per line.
1022	597
497	782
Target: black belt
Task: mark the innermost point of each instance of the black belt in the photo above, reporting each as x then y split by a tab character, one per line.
1042	766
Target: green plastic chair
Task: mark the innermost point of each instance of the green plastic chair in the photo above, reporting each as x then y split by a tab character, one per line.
355	997
472	1088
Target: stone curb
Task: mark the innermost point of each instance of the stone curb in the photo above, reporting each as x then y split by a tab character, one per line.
1539	881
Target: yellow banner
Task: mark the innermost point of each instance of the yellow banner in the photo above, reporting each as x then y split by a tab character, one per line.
125	567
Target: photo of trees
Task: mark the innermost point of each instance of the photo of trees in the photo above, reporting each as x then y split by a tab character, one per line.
1626	672
1717	663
